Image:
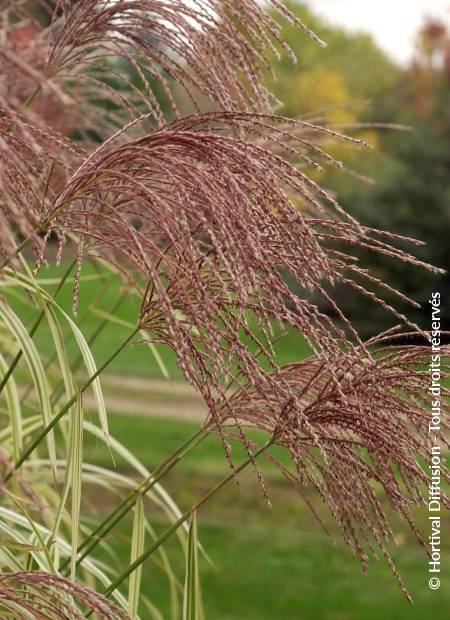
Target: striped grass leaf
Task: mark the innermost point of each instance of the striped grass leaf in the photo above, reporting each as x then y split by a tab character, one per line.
61	351
192	596
69	385
91	565
137	547
36	369
30	283
44	558
14	410
175	585
75	476
92	370
15	541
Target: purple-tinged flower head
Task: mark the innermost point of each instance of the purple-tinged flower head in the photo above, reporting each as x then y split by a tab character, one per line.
52	597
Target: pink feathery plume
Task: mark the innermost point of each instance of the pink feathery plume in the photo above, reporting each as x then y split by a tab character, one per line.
49	596
355	425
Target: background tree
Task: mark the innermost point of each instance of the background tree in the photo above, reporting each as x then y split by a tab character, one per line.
409	169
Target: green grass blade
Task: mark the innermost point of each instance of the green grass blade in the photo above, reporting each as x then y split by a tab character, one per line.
137	547
36	369
92	369
75	475
191	601
29	283
14	410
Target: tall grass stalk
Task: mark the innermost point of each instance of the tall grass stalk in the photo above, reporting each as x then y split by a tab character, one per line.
184	517
141	490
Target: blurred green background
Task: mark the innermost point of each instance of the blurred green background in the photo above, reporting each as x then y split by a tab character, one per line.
354	81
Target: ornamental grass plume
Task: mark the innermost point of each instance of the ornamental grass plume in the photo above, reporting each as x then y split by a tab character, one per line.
354	423
208	217
218	48
37	595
